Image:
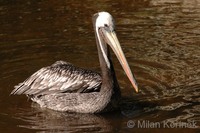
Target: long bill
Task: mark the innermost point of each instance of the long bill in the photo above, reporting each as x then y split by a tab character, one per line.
111	39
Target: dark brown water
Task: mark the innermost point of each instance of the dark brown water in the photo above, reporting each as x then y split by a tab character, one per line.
160	38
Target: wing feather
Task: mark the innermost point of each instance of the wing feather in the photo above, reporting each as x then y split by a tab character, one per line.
61	77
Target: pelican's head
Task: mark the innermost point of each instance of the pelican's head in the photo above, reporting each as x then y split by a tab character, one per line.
105	20
105	33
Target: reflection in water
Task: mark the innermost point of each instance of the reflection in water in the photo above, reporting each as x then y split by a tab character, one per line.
160	39
52	121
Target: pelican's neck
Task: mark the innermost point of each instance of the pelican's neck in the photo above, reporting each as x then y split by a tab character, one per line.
109	80
104	57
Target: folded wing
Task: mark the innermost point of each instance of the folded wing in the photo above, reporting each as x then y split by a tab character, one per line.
61	77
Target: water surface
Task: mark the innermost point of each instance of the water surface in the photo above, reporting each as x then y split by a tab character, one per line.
160	38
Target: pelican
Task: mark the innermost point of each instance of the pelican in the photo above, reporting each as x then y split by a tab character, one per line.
67	88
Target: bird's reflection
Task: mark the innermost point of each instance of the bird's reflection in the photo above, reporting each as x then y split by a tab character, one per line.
45	120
